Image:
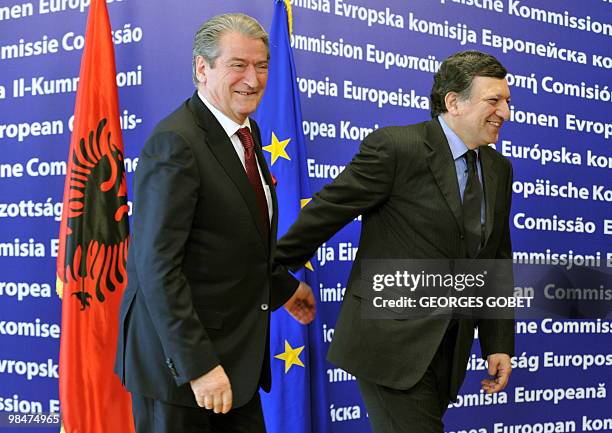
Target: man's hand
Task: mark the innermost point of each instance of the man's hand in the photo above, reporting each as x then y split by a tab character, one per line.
213	390
301	305
500	369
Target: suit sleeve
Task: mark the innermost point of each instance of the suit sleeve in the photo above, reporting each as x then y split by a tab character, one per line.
497	335
282	283
363	185
166	191
282	286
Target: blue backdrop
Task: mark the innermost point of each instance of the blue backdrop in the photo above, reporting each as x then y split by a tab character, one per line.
360	65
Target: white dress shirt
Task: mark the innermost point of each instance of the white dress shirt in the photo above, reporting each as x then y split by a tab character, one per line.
230	127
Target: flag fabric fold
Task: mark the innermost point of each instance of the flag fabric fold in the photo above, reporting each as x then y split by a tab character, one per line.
297	402
93	242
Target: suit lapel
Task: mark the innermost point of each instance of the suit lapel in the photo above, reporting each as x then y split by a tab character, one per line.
223	149
267	178
490	186
442	166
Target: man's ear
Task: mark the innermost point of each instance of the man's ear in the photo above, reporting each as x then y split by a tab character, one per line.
451	101
201	69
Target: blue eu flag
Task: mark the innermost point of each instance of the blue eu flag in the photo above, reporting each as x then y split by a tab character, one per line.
297	402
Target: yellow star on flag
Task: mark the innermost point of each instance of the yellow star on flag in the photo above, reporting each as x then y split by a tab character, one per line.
304	202
291	356
277	148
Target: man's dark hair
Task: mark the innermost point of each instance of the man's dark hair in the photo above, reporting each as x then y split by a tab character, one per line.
457	73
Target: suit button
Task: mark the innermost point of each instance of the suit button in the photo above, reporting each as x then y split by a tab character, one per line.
264	307
462	237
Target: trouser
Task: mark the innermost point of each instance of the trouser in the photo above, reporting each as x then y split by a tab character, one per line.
154	416
420	408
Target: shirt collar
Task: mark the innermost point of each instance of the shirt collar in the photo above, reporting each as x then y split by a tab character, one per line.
457	146
229	126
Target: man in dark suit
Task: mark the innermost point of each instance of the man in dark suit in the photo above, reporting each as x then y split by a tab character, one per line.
433	190
195	315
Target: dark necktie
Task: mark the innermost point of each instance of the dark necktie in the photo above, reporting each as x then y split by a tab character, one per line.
250	162
472	200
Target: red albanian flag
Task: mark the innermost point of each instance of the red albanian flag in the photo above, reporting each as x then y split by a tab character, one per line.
94	237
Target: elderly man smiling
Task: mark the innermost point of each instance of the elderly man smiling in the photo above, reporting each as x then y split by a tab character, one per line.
193	340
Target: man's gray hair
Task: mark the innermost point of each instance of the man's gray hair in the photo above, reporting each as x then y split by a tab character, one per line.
206	40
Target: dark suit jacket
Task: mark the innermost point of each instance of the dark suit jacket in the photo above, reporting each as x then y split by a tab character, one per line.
404	182
201	281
